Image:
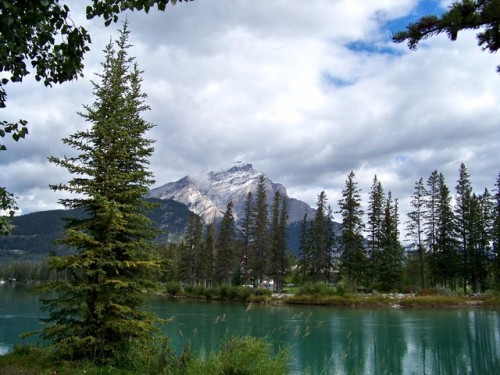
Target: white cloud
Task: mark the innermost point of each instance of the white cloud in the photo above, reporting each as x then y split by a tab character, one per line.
306	92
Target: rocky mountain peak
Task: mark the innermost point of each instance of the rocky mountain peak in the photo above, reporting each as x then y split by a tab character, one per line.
207	193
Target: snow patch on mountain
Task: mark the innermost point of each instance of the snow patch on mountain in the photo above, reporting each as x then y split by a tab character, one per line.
207	193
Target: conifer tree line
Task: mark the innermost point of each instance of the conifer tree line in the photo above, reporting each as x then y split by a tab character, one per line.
452	241
220	253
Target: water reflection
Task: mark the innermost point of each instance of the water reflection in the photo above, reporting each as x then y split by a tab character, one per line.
320	340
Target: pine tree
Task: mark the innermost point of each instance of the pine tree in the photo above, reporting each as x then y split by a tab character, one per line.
375	215
446	260
352	252
209	249
415	226
247	229
392	253
260	247
97	312
430	221
464	225
495	235
226	258
482	210
191	262
304	249
277	266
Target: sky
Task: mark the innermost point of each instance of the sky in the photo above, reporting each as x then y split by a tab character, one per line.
306	91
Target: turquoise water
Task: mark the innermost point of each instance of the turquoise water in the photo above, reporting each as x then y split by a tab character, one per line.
319	339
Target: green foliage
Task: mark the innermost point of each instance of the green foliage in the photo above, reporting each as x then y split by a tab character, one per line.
317	289
226	259
226	292
97	313
461	15
41	33
8	205
238	355
353	256
173	288
242	356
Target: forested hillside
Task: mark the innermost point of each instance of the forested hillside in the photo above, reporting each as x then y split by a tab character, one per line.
35	233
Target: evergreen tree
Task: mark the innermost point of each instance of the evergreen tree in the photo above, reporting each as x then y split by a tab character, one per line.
277	269
392	253
446	260
330	245
495	235
318	239
482	217
97	312
464	224
431	220
375	215
321	241
247	229
352	252
191	262
415	226
226	258
304	249
260	235
461	15
209	250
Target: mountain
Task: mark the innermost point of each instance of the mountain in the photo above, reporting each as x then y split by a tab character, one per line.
208	193
35	233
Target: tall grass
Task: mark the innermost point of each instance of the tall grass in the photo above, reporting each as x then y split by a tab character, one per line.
240	355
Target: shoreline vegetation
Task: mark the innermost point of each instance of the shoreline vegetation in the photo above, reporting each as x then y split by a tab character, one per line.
324	295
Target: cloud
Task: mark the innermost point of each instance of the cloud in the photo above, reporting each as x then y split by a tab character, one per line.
306	93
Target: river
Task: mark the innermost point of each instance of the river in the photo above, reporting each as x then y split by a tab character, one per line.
319	339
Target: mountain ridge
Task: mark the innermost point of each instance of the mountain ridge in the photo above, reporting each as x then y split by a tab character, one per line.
208	193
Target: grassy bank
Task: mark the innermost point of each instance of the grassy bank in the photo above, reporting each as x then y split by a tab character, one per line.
220	293
325	295
243	355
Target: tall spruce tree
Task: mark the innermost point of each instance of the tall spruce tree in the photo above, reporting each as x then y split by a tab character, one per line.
191	261
390	270
375	215
464	225
415	226
209	253
304	249
318	237
446	260
260	234
226	258
352	252
431	203
495	235
277	265
247	229
97	312
482	217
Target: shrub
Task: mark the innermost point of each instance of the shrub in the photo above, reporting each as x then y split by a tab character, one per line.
173	288
242	356
317	289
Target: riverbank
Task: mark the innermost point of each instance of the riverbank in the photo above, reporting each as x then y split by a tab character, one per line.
395	301
324	295
239	355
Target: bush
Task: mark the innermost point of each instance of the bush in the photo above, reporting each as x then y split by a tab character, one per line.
242	356
317	289
173	288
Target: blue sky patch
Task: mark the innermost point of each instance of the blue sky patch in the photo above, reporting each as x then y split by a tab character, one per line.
332	80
